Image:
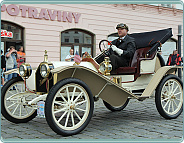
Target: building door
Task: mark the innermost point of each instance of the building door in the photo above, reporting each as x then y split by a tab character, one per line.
2	47
78	40
8	44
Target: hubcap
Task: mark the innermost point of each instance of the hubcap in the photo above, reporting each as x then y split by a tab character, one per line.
72	107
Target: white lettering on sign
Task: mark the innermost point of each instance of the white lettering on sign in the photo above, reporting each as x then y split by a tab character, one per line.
5	33
46	14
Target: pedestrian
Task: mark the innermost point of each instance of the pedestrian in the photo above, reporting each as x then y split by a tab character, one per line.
70	57
11	61
123	48
174	59
22	56
85	55
3	67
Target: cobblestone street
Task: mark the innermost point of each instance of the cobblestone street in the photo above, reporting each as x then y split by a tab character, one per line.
139	120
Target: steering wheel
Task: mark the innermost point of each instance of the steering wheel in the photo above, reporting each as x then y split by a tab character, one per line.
104	46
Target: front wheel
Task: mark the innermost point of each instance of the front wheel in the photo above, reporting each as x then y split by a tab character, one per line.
169	97
14	102
69	107
115	108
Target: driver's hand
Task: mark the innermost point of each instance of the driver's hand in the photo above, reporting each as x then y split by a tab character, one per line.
117	50
114	48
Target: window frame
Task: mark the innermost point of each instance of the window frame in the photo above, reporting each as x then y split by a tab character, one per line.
78	44
12	40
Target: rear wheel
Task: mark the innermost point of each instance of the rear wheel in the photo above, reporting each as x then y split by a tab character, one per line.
115	108
69	107
169	97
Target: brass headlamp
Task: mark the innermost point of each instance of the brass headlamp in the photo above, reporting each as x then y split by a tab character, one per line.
25	70
105	66
45	67
44	70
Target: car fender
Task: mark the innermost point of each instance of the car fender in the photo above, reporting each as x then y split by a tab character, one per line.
100	85
12	71
29	81
160	73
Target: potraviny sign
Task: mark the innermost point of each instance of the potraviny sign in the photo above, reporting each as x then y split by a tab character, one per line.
47	14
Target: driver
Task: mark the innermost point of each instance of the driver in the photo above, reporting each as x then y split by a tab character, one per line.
122	49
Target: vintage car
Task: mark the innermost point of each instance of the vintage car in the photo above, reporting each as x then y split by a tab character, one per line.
64	92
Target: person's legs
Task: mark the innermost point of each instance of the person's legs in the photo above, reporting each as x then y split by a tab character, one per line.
2	77
113	59
117	61
2	81
122	62
14	74
10	75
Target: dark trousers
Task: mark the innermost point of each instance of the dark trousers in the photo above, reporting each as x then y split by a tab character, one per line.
117	61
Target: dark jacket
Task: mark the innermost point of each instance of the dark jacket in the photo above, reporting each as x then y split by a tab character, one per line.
127	45
3	62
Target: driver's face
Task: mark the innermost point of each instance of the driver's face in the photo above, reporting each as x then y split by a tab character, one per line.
122	32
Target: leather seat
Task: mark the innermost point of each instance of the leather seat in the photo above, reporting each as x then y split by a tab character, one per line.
126	70
140	54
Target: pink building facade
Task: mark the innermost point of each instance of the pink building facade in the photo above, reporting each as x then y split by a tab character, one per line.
59	27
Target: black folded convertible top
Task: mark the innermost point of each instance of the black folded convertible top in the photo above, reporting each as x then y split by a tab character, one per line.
148	39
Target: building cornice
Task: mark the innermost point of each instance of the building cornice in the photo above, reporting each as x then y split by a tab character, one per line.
160	9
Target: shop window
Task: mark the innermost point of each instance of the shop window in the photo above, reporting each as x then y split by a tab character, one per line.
79	40
167	5
9	27
67	40
16	30
167	48
76	40
2	26
11	35
113	36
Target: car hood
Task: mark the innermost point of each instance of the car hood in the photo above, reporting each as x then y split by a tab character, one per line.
60	64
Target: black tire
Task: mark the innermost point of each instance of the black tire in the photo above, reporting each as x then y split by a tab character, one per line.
6	113
50	102
167	98
112	108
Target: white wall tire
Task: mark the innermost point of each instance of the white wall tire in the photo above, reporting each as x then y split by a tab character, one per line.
13	102
69	107
169	97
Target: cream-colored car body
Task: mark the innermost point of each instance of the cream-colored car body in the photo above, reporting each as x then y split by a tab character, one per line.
103	86
147	66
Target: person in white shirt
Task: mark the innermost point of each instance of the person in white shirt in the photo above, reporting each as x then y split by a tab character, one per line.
70	57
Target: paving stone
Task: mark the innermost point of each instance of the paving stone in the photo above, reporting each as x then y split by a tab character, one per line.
139	120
